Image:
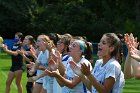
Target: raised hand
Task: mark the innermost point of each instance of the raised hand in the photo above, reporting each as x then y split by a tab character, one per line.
32	70
34	78
135	53
4	47
75	68
130	40
131	43
54	59
32	51
56	56
53	65
85	69
50	45
126	38
30	65
52	73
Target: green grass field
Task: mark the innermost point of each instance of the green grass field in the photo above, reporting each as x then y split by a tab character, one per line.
131	85
5	62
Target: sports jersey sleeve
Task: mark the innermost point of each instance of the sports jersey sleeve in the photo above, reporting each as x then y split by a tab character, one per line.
113	70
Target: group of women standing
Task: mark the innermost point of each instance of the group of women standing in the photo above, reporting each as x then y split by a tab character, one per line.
62	64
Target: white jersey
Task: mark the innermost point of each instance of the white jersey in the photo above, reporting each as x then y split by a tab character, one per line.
56	86
39	60
43	58
66	59
47	80
111	69
79	88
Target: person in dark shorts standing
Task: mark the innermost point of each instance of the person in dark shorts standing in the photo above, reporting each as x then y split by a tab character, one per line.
28	45
17	66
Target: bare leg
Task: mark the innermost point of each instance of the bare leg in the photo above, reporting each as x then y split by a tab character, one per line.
18	76
37	88
9	81
43	90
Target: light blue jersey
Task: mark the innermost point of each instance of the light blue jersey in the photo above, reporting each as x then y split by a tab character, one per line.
47	80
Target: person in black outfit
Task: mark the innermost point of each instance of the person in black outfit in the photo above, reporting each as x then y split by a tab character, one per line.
17	66
29	45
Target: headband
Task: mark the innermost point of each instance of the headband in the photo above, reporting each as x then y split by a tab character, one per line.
82	45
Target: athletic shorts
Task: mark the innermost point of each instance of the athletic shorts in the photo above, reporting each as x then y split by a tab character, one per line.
15	68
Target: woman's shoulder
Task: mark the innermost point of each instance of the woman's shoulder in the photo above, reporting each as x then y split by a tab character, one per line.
113	63
84	60
99	61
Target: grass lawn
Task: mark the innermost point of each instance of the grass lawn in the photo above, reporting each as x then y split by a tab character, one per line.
131	85
5	62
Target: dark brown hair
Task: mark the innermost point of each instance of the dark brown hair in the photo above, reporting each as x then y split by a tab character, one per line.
115	42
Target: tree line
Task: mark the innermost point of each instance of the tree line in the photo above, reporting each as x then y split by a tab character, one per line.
90	18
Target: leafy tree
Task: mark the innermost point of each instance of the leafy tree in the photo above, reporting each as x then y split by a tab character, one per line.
90	18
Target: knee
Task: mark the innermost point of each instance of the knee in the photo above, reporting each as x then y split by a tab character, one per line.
18	83
8	82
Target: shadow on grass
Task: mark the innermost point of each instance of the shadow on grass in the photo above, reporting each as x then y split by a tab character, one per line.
133	88
4	56
5	68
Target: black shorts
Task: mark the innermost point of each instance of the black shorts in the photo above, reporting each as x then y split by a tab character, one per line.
39	83
15	68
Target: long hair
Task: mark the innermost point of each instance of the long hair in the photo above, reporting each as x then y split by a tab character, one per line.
20	35
115	42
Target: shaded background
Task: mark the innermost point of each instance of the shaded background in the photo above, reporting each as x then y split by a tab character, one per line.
90	18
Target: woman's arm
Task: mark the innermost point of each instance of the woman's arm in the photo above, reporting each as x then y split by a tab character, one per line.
128	69
62	81
22	53
33	53
131	66
106	87
77	70
69	83
9	51
33	68
57	60
135	54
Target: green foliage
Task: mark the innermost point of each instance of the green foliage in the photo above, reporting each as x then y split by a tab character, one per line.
90	18
15	15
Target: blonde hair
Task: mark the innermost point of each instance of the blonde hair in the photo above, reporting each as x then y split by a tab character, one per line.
46	38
